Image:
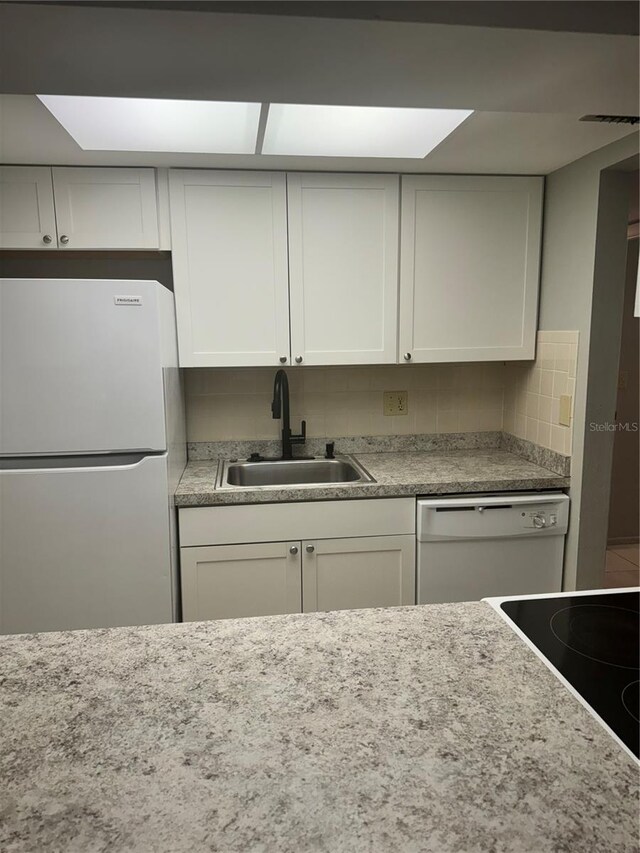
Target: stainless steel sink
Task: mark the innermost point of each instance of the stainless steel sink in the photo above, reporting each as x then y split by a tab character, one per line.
273	474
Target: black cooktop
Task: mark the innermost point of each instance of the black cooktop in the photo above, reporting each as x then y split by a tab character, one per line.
593	641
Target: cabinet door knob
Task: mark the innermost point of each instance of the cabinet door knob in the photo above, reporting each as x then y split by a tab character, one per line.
407	356
64	239
298	359
283	359
47	239
293	550
310	549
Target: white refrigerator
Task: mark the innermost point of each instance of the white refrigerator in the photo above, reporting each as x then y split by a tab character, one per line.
92	446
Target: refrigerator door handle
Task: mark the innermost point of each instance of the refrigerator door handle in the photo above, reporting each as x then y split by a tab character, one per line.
98	462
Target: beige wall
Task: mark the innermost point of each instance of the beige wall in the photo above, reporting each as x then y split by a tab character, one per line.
568	283
533	390
602	375
521	397
344	401
624	509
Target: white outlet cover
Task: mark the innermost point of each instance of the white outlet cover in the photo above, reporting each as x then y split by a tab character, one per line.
395	403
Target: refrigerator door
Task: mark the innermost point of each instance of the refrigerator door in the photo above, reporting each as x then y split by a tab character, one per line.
80	367
85	546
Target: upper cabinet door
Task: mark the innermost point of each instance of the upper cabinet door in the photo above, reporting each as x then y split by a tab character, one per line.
27	218
106	208
229	244
469	267
343	266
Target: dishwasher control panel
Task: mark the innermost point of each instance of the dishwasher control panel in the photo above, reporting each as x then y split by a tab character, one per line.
539	518
492	516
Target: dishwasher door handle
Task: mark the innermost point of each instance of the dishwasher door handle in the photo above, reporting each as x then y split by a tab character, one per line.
483	507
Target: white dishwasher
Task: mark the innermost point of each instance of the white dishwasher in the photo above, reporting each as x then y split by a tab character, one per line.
490	545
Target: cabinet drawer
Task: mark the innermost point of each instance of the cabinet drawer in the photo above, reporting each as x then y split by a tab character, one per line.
225	525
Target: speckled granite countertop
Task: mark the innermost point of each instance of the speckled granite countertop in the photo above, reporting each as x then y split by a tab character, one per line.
431	729
396	474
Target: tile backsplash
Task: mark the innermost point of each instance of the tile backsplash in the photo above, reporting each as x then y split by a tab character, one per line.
225	403
533	391
521	398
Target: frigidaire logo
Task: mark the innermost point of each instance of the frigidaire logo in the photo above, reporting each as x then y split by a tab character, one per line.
127	300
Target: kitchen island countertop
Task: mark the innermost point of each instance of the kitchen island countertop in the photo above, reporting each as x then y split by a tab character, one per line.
403	729
396	474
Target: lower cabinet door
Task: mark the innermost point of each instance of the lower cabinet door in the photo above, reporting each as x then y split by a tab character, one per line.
230	581
343	574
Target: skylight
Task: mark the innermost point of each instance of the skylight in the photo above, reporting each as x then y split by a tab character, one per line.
224	127
331	131
149	124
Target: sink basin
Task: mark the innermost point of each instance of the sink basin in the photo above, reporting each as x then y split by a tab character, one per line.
291	472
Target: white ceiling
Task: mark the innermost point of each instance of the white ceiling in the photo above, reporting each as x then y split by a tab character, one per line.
572	16
491	143
529	87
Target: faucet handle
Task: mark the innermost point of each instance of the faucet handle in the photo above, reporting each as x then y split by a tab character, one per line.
300	439
329	448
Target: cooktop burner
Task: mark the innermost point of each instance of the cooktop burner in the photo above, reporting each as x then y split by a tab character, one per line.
631	699
604	633
594	642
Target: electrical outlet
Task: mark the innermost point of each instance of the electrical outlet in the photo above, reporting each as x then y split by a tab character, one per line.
395	402
564	417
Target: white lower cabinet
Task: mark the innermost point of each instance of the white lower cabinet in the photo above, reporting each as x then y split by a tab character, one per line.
324	560
345	574
228	581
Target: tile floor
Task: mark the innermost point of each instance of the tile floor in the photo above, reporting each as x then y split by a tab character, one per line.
622	567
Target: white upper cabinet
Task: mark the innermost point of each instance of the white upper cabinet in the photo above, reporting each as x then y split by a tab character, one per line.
343	267
469	267
94	208
229	242
106	208
27	217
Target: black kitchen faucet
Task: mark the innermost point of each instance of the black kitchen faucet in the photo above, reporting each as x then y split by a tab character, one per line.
280	409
